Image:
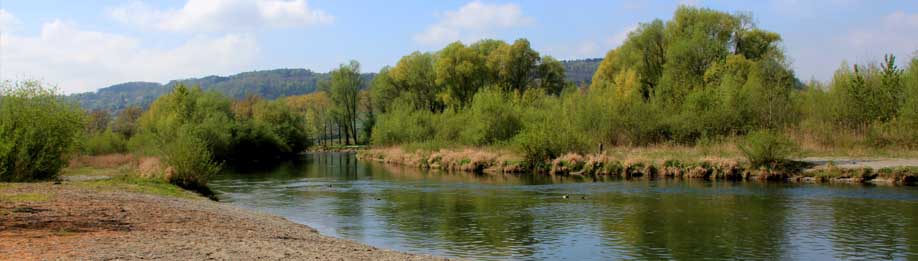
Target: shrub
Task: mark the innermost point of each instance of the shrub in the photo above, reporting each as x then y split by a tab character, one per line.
766	148
403	124
492	118
37	130
547	133
191	163
106	142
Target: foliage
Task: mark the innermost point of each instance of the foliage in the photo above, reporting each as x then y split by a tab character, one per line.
105	142
344	93
267	130
192	164
126	121
766	148
37	130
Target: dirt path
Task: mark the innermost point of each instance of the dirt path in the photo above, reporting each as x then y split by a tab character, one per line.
852	163
75	223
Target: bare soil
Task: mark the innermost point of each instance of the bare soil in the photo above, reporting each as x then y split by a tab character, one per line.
77	223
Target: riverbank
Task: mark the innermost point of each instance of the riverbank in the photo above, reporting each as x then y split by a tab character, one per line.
668	162
107	213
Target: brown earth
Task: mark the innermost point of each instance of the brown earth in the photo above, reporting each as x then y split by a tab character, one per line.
68	222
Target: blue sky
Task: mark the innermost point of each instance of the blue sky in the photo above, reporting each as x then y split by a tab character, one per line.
85	45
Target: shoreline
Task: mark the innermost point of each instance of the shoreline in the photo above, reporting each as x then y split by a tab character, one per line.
73	221
807	170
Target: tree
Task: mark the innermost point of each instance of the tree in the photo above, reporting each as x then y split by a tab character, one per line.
343	90
414	76
98	121
462	71
383	90
551	75
126	121
515	65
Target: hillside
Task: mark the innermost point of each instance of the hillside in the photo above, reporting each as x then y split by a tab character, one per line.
270	84
581	71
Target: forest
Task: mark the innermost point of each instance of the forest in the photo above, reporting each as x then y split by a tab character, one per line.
702	77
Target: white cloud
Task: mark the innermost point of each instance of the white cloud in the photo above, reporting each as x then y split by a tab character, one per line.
8	22
79	60
621	36
895	34
473	21
222	15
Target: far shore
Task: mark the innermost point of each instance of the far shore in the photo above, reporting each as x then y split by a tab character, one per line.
665	162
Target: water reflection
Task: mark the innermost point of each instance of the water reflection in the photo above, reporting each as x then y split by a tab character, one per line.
526	217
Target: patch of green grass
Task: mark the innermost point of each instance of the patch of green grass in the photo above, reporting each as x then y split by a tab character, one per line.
137	184
25	197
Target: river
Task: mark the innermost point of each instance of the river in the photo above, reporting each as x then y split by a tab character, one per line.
501	217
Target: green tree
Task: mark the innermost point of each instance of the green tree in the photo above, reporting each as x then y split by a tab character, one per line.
415	78
383	90
515	65
344	89
462	70
551	76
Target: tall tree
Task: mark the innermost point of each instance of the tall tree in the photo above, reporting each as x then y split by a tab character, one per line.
515	65
414	76
462	71
344	90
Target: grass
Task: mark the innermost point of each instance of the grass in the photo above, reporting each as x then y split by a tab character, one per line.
25	197
133	183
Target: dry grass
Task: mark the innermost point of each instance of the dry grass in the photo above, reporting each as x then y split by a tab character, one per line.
102	161
721	161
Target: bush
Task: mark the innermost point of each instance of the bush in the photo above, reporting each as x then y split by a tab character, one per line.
403	124
492	118
191	163
106	142
547	132
765	148
37	130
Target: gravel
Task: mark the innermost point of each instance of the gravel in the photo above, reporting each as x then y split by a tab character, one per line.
76	223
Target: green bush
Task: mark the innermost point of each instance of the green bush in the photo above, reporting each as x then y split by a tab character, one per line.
106	142
492	118
192	164
766	148
547	132
37	130
403	124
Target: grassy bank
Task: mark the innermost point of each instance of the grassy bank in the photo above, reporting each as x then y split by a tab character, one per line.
709	163
125	172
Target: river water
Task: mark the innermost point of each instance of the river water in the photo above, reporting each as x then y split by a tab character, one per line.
499	217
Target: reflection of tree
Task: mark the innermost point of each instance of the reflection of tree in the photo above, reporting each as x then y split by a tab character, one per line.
466	221
684	225
873	229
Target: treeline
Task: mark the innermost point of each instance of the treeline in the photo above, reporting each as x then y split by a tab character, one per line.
703	76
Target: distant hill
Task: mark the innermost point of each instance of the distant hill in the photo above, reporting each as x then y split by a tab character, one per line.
270	84
581	71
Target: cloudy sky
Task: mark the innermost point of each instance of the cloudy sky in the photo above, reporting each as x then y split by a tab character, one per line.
85	45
